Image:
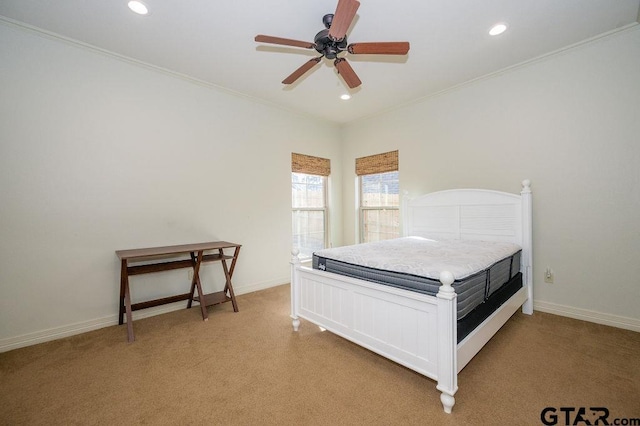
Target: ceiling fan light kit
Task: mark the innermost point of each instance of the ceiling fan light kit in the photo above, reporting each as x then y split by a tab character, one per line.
138	7
332	41
498	29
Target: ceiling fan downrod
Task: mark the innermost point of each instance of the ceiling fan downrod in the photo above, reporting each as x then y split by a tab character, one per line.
327	20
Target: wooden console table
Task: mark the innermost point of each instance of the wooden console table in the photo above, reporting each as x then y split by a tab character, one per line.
168	255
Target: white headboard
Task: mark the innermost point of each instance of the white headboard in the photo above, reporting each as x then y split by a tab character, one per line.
468	214
474	214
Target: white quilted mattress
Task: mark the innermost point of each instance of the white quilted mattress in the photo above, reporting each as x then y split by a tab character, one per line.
424	257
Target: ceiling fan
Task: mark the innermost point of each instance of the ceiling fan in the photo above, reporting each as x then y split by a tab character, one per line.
333	40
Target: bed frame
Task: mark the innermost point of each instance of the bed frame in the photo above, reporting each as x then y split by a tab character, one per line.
416	330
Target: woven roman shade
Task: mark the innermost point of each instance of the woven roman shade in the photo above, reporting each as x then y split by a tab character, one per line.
310	165
379	163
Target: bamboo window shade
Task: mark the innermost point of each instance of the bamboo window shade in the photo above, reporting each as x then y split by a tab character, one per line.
301	163
379	163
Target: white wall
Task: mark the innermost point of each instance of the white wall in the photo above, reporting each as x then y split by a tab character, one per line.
98	154
569	122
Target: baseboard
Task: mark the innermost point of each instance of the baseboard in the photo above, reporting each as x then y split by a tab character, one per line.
86	326
262	285
632	324
56	333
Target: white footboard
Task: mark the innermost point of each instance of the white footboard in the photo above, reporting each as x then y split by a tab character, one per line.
412	329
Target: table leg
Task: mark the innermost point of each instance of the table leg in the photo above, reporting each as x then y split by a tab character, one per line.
123	280
233	262
127	302
196	280
228	272
193	281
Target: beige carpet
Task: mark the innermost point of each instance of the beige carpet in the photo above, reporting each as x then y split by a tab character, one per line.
250	368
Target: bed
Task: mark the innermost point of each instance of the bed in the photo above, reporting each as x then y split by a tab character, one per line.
413	328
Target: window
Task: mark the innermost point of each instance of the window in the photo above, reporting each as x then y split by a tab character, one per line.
309	215
379	196
309	203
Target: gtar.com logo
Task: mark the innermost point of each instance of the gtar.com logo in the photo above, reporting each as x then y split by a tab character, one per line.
588	416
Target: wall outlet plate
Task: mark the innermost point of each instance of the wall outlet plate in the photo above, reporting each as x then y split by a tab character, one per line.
548	276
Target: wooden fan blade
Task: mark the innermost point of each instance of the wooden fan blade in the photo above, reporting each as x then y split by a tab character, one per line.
300	71
284	41
347	73
382	48
345	12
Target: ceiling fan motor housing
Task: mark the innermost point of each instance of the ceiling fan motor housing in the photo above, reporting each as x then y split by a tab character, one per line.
328	47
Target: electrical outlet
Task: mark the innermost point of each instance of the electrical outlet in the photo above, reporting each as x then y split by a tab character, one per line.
190	274
548	276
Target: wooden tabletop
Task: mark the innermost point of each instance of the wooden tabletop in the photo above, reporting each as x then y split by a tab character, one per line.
183	248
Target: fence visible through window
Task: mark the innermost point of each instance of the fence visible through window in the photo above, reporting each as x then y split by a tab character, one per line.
379	206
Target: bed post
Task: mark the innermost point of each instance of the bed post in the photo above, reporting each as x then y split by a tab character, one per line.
527	245
295	262
447	342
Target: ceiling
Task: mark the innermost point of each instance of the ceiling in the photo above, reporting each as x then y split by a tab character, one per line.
213	41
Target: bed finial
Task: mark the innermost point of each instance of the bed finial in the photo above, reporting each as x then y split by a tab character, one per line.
526	185
446	278
294	255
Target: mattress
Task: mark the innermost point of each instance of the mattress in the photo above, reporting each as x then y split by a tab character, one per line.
480	268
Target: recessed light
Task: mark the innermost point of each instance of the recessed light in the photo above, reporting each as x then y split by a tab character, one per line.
345	97
498	29
138	7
